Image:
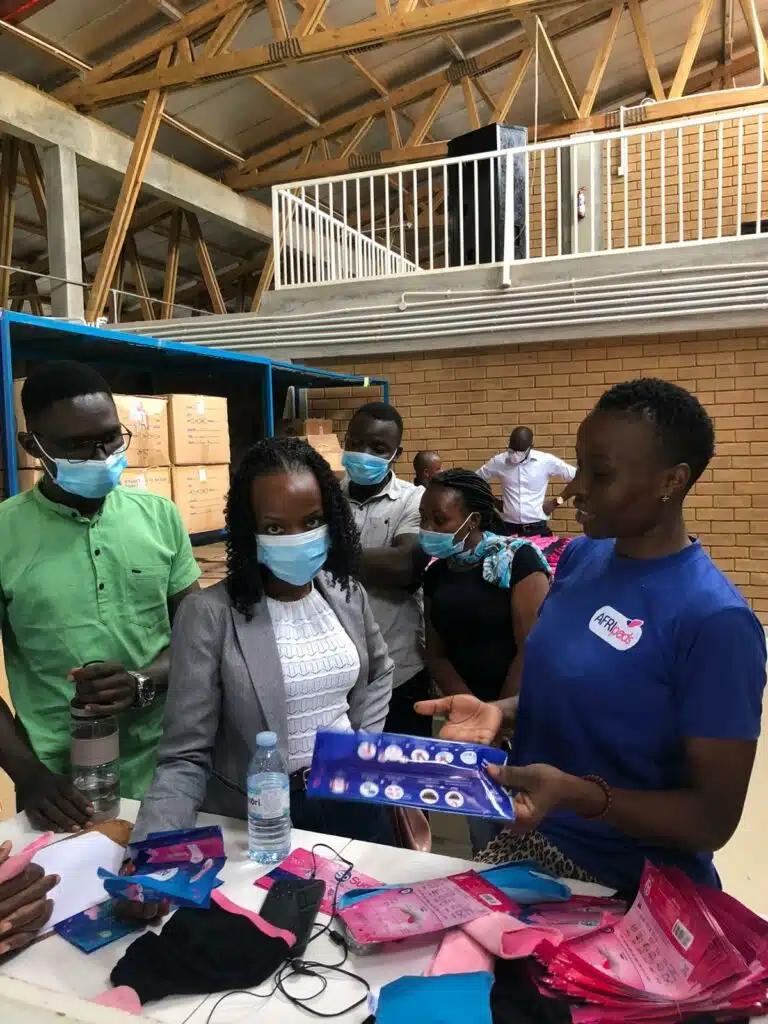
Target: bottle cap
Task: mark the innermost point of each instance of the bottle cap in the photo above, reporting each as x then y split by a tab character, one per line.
266	739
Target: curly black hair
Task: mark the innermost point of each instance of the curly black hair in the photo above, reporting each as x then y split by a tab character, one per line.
682	424
476	495
284	455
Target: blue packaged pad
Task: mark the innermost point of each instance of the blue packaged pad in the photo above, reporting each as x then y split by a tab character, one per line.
383	768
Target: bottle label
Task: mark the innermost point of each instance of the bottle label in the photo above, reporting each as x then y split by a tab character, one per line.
268	800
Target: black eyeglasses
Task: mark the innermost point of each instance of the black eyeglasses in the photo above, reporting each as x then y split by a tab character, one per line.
85	451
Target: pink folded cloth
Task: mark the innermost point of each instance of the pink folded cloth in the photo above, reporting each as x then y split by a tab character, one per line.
256	919
122	998
474	946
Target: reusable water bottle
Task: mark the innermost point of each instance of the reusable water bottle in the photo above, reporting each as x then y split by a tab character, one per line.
95	759
269	805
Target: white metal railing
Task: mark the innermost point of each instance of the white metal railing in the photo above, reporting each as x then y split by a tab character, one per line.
680	182
318	247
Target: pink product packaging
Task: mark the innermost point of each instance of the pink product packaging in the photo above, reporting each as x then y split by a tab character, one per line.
304	864
423	908
682	950
17	862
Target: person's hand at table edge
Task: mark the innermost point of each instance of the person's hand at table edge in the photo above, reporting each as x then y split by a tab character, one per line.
469	720
539	789
104	687
51	802
24	907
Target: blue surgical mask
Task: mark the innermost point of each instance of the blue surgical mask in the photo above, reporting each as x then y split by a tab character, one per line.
92	479
442	545
294	558
365	469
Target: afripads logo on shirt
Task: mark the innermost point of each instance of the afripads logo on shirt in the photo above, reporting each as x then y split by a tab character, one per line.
616	629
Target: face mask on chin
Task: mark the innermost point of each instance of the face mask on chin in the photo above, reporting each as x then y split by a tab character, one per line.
295	558
365	469
92	479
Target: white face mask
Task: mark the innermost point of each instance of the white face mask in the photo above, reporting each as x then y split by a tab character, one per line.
517	457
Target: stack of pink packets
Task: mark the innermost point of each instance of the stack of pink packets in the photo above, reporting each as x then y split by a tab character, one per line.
681	950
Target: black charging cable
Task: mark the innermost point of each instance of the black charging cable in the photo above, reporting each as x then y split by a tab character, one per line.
316	969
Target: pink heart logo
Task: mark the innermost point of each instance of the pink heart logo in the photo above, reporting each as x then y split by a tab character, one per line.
634	623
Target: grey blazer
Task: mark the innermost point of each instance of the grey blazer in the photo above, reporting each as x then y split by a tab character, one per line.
225	686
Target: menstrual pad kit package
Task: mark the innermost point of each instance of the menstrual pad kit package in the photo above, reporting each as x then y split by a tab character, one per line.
383	768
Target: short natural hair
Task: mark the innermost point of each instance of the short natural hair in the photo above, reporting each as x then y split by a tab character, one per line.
383	412
58	380
682	424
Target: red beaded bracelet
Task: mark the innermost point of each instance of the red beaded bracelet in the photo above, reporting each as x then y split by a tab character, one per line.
607	793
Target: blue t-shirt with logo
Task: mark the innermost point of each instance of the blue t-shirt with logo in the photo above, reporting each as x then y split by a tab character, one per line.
628	658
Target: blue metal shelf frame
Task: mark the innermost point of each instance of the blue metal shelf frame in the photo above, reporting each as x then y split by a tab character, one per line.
35	337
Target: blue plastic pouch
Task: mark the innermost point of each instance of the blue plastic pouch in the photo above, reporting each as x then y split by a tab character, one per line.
527	883
96	927
445	999
186	885
383	768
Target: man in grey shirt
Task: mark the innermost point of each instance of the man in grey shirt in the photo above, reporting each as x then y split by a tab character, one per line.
386	510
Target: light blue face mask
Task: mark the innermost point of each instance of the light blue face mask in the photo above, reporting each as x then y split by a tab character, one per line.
295	558
365	469
92	479
442	545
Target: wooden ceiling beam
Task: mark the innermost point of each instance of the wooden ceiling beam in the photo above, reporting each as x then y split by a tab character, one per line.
309	21
35	180
196	21
428	115
9	169
512	87
339	165
224	34
416	24
146	304
171	278
495	56
206	265
470	103
395	139
129	194
278	20
755	30
554	69
646	51
652	113
42	45
293	104
357	136
601	61
691	48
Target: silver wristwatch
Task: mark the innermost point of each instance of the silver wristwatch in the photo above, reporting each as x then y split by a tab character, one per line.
145	690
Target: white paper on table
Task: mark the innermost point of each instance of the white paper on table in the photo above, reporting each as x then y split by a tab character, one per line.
77	862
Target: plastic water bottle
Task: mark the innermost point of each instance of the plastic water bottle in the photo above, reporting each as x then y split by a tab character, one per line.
269	805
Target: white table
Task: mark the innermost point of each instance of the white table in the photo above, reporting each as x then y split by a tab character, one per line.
55	964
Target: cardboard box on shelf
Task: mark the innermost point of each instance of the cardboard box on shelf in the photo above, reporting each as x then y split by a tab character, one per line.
147	420
304	428
329	447
200	493
155	480
212	561
199	430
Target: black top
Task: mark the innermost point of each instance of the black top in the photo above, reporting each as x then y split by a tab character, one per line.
473	619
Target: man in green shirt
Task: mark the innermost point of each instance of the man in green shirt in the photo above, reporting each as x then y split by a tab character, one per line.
91	575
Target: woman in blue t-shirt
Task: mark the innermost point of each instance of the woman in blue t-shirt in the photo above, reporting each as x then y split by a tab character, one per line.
640	704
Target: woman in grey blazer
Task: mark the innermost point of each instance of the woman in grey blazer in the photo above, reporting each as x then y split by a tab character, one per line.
286	643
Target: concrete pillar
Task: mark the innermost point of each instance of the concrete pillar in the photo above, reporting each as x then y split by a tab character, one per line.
64	250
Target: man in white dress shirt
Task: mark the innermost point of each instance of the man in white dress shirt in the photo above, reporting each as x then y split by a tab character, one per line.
525	473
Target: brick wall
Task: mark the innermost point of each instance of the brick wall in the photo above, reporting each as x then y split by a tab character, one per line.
465	405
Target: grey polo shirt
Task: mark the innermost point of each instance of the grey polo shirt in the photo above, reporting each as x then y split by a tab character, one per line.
393	513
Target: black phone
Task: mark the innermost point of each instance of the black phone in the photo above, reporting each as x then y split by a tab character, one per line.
293	904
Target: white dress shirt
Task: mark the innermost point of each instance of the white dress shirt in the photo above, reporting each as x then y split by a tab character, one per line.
524	485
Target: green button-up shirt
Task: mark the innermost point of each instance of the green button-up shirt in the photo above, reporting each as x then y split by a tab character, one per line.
75	590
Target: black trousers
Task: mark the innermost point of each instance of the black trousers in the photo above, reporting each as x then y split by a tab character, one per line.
369	822
401	718
540	529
